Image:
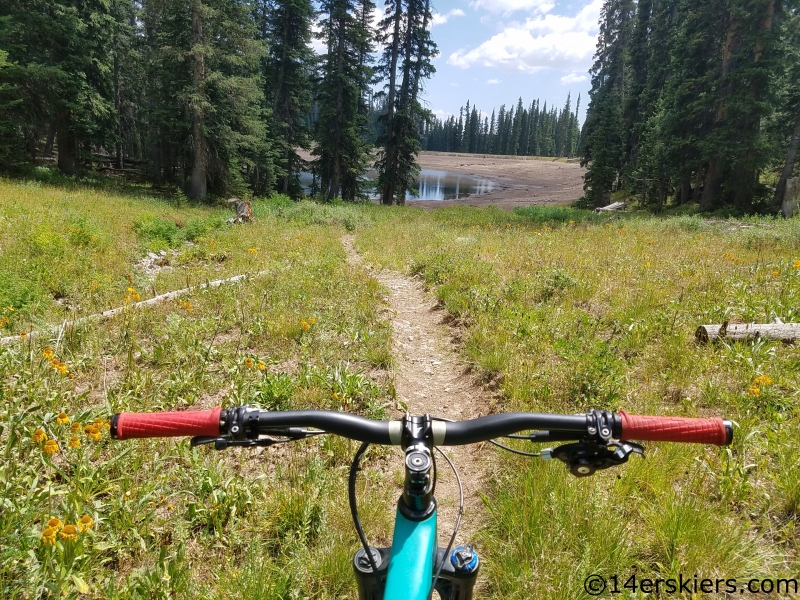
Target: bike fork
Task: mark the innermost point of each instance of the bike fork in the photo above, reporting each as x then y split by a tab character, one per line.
456	581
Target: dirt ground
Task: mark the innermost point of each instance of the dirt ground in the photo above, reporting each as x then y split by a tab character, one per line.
522	180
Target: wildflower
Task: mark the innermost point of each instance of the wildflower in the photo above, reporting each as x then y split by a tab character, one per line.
23	334
92	432
62	368
136	296
248	362
55	524
170	507
754	390
129	277
261	366
62	419
39	436
74	442
85	523
252	251
797	264
75	427
312	320
212	243
51	447
49	537
305	325
762	380
571	222
101	424
69	533
776	273
10	309
48	353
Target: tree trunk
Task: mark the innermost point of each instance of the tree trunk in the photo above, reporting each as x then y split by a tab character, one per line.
786	332
198	185
685	188
387	196
66	146
118	109
51	138
788	166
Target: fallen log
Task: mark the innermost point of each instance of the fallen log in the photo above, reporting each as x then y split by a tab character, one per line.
738	332
611	207
13	339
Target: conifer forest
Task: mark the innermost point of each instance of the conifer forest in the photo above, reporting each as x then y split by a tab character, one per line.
694	101
690	101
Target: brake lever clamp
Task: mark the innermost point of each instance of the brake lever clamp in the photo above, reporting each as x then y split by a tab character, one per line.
586	458
221	443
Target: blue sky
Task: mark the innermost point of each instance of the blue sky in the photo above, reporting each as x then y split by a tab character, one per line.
494	51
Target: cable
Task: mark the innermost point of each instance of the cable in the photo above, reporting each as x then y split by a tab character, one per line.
351	489
458	520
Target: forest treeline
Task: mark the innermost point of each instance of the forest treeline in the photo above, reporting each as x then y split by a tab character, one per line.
520	131
694	101
216	97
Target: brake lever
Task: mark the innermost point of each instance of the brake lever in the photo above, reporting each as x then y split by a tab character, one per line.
221	443
586	458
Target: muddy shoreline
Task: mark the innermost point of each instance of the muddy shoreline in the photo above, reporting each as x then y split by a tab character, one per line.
522	181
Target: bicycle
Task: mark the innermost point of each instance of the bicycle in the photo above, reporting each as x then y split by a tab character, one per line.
415	566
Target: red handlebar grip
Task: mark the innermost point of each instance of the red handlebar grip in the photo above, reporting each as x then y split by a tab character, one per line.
167	424
674	429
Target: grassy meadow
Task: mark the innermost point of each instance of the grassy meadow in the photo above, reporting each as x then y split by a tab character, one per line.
557	310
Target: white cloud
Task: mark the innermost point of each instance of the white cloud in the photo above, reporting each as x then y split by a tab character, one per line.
493	81
441	19
441	114
572	78
508	6
546	42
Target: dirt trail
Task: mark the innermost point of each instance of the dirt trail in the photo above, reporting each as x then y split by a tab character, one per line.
430	378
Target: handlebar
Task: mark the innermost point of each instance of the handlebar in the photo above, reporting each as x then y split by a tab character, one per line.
248	423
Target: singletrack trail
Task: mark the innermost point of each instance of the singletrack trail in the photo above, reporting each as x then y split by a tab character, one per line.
429	377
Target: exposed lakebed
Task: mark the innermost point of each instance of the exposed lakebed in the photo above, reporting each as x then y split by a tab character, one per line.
434	185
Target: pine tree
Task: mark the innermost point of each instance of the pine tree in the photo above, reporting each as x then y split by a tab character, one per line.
603	133
342	147
286	30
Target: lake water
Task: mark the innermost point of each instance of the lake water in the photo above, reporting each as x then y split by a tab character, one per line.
434	185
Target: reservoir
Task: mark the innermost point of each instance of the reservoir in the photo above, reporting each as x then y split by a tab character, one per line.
433	185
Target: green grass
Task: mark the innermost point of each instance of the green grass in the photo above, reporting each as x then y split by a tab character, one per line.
558	310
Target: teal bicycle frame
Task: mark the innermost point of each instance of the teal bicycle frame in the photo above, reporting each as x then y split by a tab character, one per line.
412	560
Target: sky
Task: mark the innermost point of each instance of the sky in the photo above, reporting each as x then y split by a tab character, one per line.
491	52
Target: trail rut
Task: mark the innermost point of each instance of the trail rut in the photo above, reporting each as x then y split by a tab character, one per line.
429	377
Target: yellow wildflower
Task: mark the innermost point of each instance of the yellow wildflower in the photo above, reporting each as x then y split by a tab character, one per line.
776	273
51	447
48	353
23	334
762	380
10	309
39	436
62	419
49	537
754	391
170	507
248	362
252	251
55	524
75	427
305	325
136	296
74	442
92	432
312	320
261	366
571	222
797	264
131	290
85	523
69	533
